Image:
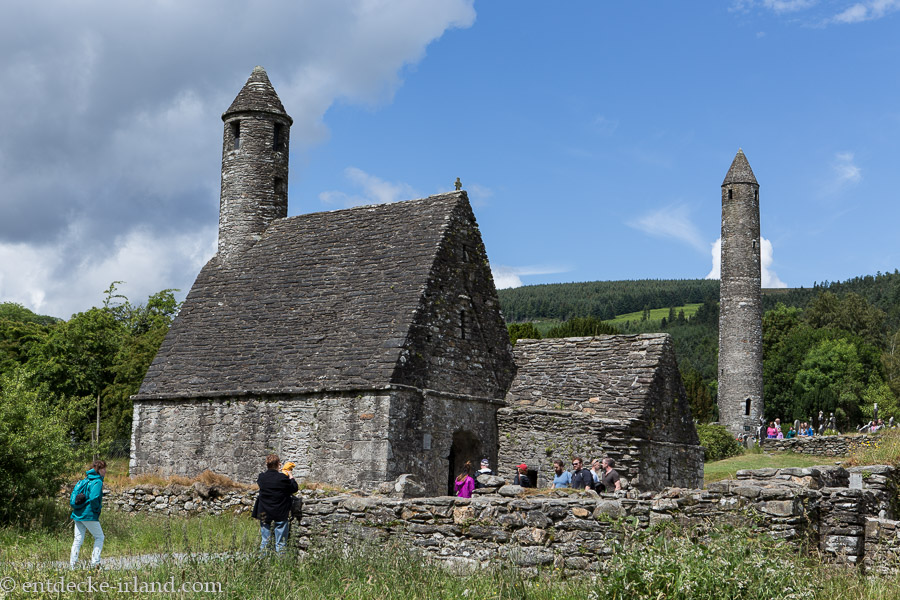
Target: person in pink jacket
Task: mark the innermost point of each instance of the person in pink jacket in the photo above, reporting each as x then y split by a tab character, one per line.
464	482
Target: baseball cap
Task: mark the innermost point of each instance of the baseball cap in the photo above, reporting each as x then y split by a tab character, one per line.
523	466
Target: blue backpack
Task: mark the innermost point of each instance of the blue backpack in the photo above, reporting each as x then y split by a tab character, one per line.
78	497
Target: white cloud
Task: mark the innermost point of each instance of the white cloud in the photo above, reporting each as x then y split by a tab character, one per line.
788	6
39	276
605	125
373	190
766	256
511	277
117	123
867	11
671	222
845	169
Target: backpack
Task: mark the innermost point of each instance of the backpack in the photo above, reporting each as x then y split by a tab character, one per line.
78	497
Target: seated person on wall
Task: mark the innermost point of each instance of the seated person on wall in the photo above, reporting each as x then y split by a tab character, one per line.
273	504
609	481
484	470
562	478
771	432
522	477
791	434
581	478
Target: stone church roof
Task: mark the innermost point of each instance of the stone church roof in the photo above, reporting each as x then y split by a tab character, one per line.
610	377
257	95
321	301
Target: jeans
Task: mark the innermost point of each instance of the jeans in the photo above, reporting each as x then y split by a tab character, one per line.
282	531
96	532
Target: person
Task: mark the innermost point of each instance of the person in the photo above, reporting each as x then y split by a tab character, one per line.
522	477
273	504
610	478
809	431
86	513
484	470
770	432
596	471
563	478
581	478
464	482
792	433
777	424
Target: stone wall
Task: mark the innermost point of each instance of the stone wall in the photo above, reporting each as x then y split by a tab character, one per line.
353	440
811	507
819	445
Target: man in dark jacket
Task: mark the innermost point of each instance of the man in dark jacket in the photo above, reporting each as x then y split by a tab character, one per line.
273	505
581	477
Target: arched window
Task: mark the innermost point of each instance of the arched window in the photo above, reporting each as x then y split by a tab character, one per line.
747	407
278	138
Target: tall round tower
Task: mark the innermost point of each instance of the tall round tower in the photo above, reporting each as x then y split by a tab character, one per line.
254	164
740	308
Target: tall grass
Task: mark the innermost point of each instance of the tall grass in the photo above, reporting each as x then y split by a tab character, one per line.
884	449
703	563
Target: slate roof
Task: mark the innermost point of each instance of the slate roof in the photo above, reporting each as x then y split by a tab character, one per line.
257	95
321	301
610	375
740	171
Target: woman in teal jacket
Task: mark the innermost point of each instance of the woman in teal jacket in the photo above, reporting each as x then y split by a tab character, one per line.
87	514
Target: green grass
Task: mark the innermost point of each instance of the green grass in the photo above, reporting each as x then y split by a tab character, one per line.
727	468
704	563
48	537
656	314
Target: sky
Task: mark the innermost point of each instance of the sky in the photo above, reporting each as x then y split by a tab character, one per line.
591	136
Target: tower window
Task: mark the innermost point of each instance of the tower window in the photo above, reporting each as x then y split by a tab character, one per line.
462	323
747	407
729	193
278	138
756	195
669	470
279	187
236	134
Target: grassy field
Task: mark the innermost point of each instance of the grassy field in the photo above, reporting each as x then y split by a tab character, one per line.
727	468
656	314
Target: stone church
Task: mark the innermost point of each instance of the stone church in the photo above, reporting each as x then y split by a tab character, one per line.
366	343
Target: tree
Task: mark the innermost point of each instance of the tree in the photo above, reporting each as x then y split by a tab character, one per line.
522	331
577	327
35	452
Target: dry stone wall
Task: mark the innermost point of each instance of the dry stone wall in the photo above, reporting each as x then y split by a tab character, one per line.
576	531
819	445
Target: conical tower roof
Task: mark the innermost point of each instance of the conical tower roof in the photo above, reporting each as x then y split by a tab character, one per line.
740	171
257	95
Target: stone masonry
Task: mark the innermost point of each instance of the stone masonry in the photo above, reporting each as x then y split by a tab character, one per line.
740	306
577	531
361	344
619	396
819	445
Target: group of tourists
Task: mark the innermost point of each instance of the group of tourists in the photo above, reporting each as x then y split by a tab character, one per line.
601	477
774	431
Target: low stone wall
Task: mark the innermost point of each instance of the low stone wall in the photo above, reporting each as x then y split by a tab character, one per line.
819	445
845	514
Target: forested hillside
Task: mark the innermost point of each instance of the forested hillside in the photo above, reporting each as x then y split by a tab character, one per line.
832	347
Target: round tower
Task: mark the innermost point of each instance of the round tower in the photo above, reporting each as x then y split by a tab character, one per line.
740	307
254	164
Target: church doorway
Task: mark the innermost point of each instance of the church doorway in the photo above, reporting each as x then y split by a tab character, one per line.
465	447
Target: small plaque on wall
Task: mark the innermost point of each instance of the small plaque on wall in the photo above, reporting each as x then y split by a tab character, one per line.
426	441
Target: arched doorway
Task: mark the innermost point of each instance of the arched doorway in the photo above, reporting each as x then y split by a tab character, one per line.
465	447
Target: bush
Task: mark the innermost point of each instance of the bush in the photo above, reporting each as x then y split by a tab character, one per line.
35	453
718	442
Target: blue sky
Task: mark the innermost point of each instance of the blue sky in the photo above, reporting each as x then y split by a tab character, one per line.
592	137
